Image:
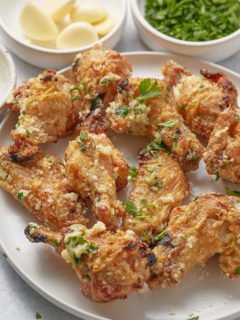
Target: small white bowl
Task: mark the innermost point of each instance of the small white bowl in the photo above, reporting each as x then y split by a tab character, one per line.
7	77
214	50
52	58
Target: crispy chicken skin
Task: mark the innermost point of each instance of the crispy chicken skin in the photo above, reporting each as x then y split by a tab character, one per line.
195	233
96	169
222	156
41	185
160	185
46	113
97	73
109	265
155	117
200	99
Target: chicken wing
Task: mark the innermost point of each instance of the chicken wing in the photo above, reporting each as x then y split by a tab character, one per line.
97	74
160	185
222	156
94	168
146	107
200	99
46	113
109	265
41	185
196	232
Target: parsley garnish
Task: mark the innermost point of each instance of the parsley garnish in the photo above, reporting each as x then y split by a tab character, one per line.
28	133
154	145
195	198
83	136
38	316
55	243
133	171
182	106
175	141
168	124
148	89
231	192
96	102
122	111
20	195
83	147
74	98
160	236
237	271
131	209
105	80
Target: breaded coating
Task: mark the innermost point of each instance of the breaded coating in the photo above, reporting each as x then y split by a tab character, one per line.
222	156
200	99
146	107
97	74
47	112
41	185
195	233
96	169
109	265
160	185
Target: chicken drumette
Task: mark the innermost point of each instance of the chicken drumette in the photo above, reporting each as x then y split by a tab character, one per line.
200	99
109	265
41	185
222	156
195	233
160	185
147	107
47	112
96	169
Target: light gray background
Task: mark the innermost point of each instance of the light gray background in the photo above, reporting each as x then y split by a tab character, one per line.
17	300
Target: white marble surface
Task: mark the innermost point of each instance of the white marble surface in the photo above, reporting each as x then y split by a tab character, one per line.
17	300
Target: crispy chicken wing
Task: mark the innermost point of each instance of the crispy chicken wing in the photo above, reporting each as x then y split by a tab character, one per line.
109	265
160	185
97	73
222	156
46	113
41	185
194	234
95	169
147	107
200	99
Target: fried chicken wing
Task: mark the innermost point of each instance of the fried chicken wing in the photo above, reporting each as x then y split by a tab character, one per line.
109	265
222	156
160	185
41	185
195	233
97	74
46	113
146	107
200	99
96	169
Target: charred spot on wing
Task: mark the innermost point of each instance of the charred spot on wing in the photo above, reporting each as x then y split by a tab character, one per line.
20	158
131	245
165	241
75	64
151	260
213	76
123	85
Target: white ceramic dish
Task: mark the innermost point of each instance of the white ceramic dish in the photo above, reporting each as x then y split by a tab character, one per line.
7	77
51	58
204	293
214	50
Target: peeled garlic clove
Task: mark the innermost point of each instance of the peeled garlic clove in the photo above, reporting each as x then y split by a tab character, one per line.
105	26
89	11
36	24
58	9
77	35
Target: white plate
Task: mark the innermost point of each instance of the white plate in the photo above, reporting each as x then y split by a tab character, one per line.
204	293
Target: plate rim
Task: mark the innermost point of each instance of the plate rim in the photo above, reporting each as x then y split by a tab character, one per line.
31	282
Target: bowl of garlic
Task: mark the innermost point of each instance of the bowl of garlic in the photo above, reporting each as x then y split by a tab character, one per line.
49	33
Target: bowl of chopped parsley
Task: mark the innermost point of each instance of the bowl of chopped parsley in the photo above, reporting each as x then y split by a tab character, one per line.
206	29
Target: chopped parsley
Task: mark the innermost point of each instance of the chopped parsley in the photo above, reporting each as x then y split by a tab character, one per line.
55	243
122	111
38	316
194	318
195	198
237	271
96	102
182	106
157	185
74	98
154	145
133	171
20	195
160	236
175	141
83	136
168	124
83	147
105	80
148	89
131	209
28	133
231	192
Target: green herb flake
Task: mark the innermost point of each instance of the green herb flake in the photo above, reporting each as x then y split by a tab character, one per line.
154	145
160	236
91	248
77	261
231	192
237	271
28	133
104	81
182	106
38	315
55	243
83	147
83	136
20	195
131	209
168	124
96	102
195	198
148	89
133	171
74	98
175	141
122	111
194	318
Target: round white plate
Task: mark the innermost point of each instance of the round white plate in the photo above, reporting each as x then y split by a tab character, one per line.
204	293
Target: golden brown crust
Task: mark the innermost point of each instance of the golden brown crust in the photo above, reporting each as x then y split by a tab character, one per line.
41	185
200	100
222	156
194	234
